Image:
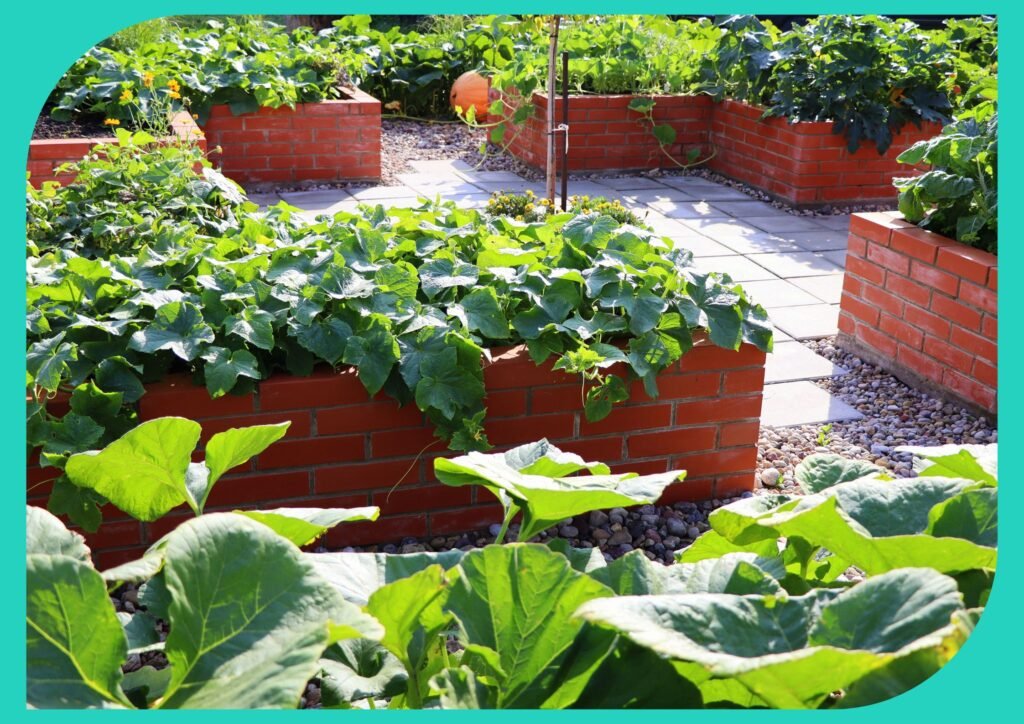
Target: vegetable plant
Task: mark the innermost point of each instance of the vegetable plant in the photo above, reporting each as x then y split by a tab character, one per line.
412	298
251	619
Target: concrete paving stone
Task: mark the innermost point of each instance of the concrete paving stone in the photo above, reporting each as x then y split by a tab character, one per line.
374	193
515	187
587	188
701	246
264	199
317	201
812	321
433	178
796	263
705	190
776	223
446	189
760	242
836	257
772	294
835	222
739	268
448	165
489	176
828	289
802	403
647	196
743	209
628	183
790	361
822	240
687	209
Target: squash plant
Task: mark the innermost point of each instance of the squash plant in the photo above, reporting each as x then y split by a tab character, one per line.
413	298
252	619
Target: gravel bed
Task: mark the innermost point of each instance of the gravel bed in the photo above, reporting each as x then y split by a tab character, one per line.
81	126
894	414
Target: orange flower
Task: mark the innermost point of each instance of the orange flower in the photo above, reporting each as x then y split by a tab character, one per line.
147	79
174	94
126	95
111	122
173	85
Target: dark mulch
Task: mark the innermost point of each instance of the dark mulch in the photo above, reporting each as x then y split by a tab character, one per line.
81	126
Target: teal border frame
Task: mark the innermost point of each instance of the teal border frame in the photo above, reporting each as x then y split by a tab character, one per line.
44	37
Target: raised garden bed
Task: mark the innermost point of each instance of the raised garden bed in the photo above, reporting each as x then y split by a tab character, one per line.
805	163
331	140
923	307
344	449
605	135
45	155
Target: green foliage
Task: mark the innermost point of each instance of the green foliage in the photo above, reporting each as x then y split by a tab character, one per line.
527	207
522	625
957	195
411	297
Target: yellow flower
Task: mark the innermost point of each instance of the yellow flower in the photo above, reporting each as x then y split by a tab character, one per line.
529	207
111	122
126	95
174	94
173	85
147	79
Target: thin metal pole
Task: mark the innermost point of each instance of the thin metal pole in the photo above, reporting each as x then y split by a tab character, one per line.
549	190
565	129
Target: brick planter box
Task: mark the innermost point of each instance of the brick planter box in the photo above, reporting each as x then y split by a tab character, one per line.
45	155
923	307
605	135
804	163
346	450
334	140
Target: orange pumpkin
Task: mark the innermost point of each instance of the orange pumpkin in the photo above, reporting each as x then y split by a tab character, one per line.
471	89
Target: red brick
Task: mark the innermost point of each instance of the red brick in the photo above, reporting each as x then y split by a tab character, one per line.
672	442
971	389
901	331
431	497
688	489
980	297
865	269
178	396
709	357
300	423
971	264
517	431
113	534
505	403
556	398
737	381
601	449
860	309
920	364
989	327
889	259
386	529
918	243
877	340
324	388
729	486
460	521
627	419
947	353
935	278
701	384
514	369
856	246
382	415
877	226
641	467
383	475
937	326
973	344
727	409
908	290
993	279
315	451
734	460
958	314
734	434
985	373
412	441
104	559
882	299
256	488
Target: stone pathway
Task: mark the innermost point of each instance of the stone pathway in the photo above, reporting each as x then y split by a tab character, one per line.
793	265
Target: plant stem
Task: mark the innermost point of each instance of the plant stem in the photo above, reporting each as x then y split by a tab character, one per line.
509	515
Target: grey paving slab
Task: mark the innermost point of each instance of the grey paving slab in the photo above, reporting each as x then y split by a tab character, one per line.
790	361
325	202
629	183
515	187
758	242
446	165
821	240
812	321
587	188
835	222
687	209
447	189
742	209
772	294
775	223
375	193
489	176
828	288
802	403
701	246
432	178
264	199
739	268
647	196
796	263
836	257
705	190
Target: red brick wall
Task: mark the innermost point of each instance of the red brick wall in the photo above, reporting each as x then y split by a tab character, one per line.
606	136
805	163
46	154
335	140
922	306
345	450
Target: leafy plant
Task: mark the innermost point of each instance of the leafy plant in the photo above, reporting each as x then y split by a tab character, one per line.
410	297
252	619
527	207
957	195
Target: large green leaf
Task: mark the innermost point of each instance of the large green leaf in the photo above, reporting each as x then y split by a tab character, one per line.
357	576
224	367
820	471
75	645
547	500
790	652
484	313
229	449
46	535
143	472
514	605
972	462
177	326
254	635
374	351
359	669
302	526
47	361
737	573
